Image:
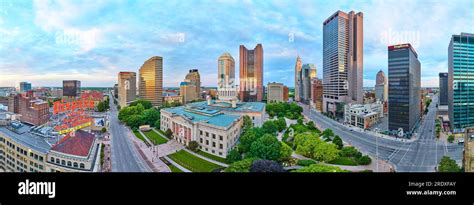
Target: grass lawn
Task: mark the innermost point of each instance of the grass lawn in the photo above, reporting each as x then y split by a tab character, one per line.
140	136
213	157
344	161
174	168
162	133
155	138
192	163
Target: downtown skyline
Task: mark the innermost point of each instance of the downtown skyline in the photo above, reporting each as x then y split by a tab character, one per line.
106	38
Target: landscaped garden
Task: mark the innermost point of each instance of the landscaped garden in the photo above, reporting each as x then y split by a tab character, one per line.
193	163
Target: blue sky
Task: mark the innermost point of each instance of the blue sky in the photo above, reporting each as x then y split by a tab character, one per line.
46	41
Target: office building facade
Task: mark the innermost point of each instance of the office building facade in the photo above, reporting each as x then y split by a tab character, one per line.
342	60
24	86
151	80
277	92
443	88
460	80
71	88
317	94
126	88
381	87
298	79
403	88
226	89
251	74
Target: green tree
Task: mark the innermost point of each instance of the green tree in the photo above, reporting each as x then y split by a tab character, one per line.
150	116
328	133
135	121
247	122
448	165
193	146
320	168
246	139
280	124
145	103
325	152
285	152
310	125
270	127
266	147
103	130
157	124
338	142
233	156
168	133
241	166
308	146
364	160
450	138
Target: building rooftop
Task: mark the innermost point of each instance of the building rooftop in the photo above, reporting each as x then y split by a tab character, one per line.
199	114
78	144
225	106
21	136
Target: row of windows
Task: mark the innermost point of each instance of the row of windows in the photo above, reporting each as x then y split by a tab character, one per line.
213	135
212	150
213	143
68	163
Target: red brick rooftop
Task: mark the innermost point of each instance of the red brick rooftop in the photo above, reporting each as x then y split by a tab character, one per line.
78	145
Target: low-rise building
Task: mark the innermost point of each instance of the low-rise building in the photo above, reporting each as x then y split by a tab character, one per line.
317	94
215	125
363	116
215	131
24	148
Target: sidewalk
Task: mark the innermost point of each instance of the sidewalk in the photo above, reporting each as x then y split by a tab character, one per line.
205	158
176	164
149	155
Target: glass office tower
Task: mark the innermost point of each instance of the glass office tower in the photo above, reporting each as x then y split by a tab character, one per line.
461	81
403	89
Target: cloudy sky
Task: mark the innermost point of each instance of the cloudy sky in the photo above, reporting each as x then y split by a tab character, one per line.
46	41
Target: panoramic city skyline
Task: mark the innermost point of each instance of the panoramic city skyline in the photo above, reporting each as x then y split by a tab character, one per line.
44	42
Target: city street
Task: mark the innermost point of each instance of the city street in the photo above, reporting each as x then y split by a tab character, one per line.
125	157
420	155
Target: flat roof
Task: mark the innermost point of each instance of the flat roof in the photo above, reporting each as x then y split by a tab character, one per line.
29	140
213	117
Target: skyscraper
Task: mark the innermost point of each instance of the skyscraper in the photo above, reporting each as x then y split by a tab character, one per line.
298	79
403	88
71	88
381	87
342	60
190	88
151	80
194	78
308	72
24	86
127	88
251	74
443	88
460	80
226	78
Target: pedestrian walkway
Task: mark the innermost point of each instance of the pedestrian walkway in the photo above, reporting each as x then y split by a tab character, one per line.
207	159
150	156
176	165
145	137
